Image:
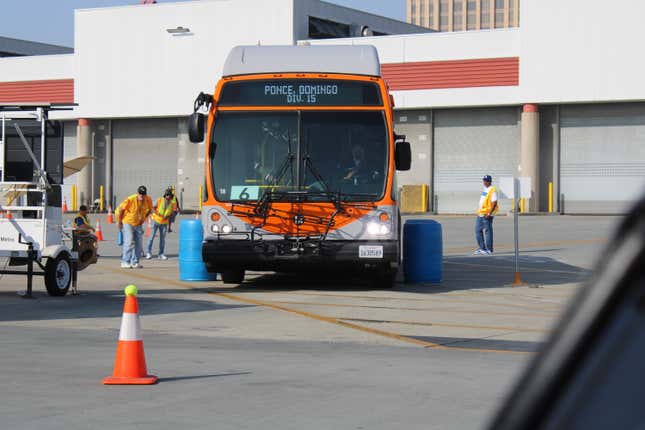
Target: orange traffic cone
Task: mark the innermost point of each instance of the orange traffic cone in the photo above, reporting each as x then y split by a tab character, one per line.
110	217
148	227
64	204
130	362
98	232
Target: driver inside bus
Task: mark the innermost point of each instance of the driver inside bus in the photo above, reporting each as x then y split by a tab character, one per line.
359	171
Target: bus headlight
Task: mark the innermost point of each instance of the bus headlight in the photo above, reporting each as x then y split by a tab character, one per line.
226	229
377	228
215	228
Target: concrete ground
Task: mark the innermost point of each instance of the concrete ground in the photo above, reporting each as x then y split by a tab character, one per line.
293	352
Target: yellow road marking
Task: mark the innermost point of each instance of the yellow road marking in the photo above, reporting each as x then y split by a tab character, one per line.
467	311
434	324
441	299
331	320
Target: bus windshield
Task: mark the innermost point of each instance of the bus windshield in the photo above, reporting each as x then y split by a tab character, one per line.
321	152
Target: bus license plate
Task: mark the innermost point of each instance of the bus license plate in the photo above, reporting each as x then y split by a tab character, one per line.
370	251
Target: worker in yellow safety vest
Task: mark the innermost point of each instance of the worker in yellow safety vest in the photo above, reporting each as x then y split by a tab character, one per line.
160	221
131	215
485	214
81	222
175	207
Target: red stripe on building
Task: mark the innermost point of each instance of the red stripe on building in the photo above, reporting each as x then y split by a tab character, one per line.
48	91
489	72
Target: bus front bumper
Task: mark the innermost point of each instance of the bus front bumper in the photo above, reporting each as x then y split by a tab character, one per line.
290	255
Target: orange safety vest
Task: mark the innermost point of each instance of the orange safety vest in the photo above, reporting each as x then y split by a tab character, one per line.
488	204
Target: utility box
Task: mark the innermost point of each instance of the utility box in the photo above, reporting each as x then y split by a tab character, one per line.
414	198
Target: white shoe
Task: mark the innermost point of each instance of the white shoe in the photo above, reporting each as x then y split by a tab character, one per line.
148	256
125	265
162	257
487	252
479	252
136	266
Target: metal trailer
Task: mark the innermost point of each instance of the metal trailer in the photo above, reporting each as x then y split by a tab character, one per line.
31	223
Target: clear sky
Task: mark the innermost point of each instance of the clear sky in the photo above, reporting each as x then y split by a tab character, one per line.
52	21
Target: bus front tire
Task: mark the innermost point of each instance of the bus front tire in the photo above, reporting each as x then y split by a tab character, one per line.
233	276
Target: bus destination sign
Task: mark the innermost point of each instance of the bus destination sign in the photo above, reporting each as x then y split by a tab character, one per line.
301	94
298	92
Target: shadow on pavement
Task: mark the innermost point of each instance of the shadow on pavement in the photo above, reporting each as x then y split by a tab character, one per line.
104	304
187	378
478	272
459	273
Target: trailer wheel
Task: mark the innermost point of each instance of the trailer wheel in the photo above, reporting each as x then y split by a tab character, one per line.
58	275
233	276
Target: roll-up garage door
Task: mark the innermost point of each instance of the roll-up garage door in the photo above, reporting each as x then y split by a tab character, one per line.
602	157
145	153
470	143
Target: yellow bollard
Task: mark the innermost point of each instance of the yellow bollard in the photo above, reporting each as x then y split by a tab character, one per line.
201	197
424	198
522	205
550	197
101	197
73	198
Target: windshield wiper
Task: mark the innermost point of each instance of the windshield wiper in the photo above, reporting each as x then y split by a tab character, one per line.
309	164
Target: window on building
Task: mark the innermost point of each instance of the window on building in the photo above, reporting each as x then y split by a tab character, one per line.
485	14
457	15
443	15
324	29
471	15
499	13
512	4
431	14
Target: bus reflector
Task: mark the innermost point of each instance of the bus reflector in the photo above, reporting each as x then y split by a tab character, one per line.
383	217
215	216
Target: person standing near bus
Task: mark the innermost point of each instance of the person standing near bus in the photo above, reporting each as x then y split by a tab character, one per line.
160	220
132	213
485	214
175	207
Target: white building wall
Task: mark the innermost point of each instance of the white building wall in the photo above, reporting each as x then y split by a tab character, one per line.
443	47
37	68
130	66
127	65
581	50
570	51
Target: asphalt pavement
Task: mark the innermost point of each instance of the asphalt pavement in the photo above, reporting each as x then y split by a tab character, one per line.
286	351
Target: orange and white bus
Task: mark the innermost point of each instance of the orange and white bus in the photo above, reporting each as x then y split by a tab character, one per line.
300	163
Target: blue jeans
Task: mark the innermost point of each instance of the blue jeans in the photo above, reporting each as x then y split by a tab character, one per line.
484	227
132	243
162	237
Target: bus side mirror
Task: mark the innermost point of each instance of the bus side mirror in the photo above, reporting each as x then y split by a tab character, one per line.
402	156
196	127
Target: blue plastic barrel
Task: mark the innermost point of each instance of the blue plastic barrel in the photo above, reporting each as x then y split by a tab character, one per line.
422	251
191	265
